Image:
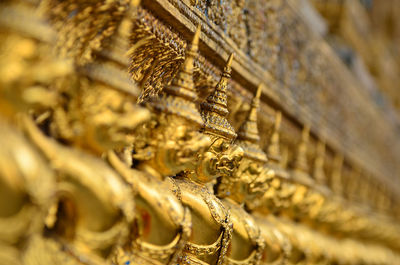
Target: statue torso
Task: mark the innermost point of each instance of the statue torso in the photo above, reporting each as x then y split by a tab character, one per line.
247	244
211	228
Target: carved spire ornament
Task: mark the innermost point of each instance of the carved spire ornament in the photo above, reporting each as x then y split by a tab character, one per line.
300	164
336	177
274	160
352	186
214	109
248	135
180	96
274	152
319	173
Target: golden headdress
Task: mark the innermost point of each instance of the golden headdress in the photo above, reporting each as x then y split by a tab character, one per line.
319	173
248	136
180	96
214	109
274	152
300	164
336	175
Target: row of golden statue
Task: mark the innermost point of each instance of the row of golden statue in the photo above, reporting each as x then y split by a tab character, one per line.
87	176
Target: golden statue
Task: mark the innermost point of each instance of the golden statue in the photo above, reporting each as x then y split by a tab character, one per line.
165	146
276	198
248	183
211	231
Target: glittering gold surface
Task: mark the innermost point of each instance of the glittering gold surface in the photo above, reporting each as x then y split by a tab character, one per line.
197	132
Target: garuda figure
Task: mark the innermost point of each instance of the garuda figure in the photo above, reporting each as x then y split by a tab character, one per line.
247	184
211	230
165	146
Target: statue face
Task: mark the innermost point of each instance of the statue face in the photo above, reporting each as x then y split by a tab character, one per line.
283	192
229	161
170	144
270	200
306	202
180	147
260	183
250	182
220	160
110	116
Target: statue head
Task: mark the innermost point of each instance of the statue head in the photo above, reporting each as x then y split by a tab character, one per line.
252	177
169	144
171	141
97	116
222	157
259	185
220	160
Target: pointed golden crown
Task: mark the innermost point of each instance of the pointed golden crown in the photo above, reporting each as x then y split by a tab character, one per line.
336	175
300	162
319	173
214	109
274	152
248	136
180	96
